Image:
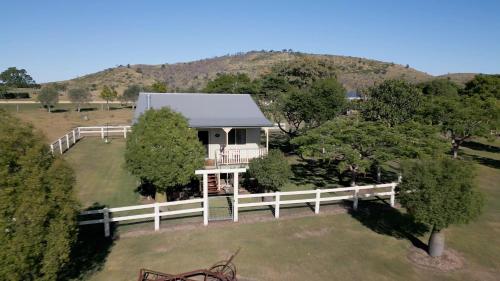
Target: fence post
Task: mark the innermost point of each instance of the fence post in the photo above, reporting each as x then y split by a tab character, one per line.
102	132
157	217
60	146
393	194
277	207
236	193
355	203
205	199
124	132
74	137
52	148
67	141
78	131
106	222
318	197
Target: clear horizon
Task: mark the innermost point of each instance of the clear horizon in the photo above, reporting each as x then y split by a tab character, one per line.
60	40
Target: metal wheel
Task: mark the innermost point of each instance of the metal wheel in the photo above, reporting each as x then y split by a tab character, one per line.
225	269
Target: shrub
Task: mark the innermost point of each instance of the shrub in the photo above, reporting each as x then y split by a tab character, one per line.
270	172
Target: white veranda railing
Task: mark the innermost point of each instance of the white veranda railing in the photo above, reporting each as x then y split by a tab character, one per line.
230	156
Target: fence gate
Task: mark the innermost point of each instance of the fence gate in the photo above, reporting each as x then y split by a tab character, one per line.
220	207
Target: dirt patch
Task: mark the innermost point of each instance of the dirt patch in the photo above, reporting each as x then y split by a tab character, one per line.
450	260
312	233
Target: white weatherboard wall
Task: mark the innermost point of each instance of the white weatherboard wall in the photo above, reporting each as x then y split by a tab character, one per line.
215	143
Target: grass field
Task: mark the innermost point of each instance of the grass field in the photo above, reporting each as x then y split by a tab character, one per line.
64	117
100	173
361	245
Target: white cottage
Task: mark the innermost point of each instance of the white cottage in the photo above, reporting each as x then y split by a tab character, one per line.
229	125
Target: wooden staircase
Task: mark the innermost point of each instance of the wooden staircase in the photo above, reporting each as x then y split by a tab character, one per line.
212	184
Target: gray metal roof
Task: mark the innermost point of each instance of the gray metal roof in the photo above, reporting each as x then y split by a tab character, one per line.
207	110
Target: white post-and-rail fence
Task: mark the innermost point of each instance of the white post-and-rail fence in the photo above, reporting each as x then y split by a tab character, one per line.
321	195
63	143
156	214
280	199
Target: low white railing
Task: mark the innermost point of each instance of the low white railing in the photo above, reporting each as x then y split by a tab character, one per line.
63	143
357	192
156	214
238	155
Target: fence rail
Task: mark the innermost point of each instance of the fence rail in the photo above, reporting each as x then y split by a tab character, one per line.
280	199
321	195
63	143
156	214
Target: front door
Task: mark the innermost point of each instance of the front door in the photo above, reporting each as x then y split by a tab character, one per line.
203	137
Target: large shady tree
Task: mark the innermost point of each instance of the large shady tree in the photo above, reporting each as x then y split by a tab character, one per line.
461	117
37	209
392	102
439	193
162	150
305	108
356	146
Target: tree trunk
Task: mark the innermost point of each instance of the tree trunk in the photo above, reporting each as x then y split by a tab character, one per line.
48	108
379	174
436	243
455	145
353	177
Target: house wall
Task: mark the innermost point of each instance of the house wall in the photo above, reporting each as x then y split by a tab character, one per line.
216	142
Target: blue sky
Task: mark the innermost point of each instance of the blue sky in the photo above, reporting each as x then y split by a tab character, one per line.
58	40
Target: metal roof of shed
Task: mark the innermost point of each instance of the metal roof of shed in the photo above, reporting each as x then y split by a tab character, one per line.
207	110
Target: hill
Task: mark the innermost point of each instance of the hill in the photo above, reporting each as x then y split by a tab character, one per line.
353	72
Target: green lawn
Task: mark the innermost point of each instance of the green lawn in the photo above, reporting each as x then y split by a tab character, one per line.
100	173
358	246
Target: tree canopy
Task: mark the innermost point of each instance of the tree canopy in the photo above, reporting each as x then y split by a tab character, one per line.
163	150
439	193
18	78
48	97
356	146
461	117
158	87
108	94
79	96
303	72
271	172
307	108
38	211
131	94
440	87
484	86
231	83
392	102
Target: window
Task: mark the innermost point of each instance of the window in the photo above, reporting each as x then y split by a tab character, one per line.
237	136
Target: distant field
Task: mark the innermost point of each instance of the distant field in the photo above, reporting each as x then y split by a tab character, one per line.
64	117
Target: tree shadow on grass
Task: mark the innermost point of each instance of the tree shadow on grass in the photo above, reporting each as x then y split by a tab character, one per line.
486	161
383	219
59	110
86	109
312	172
90	250
481	146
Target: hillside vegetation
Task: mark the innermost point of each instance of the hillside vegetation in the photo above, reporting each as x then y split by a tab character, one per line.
354	73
